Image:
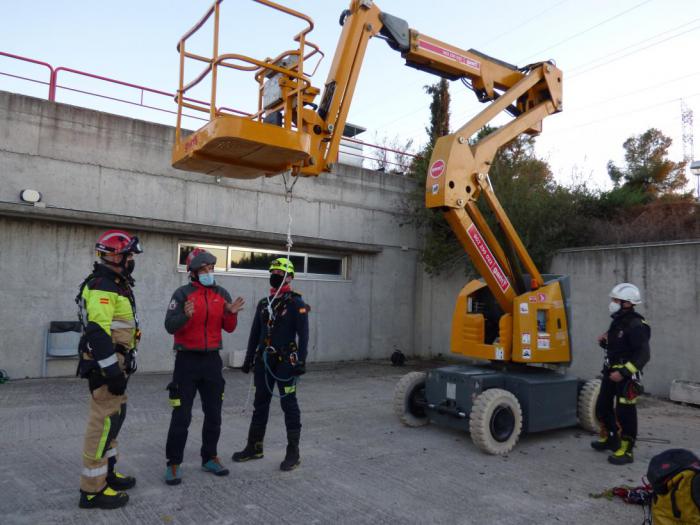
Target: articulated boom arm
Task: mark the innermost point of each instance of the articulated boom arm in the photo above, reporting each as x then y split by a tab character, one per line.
524	322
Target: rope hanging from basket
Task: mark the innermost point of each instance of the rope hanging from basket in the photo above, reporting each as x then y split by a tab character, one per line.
288	196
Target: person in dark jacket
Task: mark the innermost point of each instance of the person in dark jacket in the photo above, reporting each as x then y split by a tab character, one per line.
277	349
626	343
196	315
107	348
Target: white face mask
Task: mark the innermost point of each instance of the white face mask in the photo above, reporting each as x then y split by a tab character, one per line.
614	307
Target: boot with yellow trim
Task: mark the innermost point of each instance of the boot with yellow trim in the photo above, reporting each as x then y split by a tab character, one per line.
291	459
623	455
108	498
118	481
254	447
608	440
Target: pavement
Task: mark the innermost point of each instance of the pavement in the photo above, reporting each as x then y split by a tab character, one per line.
359	464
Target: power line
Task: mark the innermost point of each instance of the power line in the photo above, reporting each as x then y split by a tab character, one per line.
576	35
630	93
413	112
524	23
580	66
631	112
633	52
511	30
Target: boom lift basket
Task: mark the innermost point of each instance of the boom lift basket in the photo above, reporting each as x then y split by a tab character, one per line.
243	145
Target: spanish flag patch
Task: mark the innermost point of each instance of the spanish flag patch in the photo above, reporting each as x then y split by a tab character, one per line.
104	300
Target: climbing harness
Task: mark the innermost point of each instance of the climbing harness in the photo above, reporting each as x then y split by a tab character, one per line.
270	306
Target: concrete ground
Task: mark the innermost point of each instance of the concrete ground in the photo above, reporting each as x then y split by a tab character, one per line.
359	464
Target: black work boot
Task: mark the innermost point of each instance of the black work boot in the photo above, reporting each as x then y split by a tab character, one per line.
118	481
107	499
291	460
254	447
623	454
606	441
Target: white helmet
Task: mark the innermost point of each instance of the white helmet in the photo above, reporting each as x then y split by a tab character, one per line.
626	292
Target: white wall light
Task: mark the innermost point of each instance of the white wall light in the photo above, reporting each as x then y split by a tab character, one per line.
32	196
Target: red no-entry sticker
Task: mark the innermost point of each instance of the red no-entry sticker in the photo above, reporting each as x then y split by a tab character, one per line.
437	168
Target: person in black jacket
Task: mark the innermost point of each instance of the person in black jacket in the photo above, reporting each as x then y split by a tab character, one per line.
627	351
277	350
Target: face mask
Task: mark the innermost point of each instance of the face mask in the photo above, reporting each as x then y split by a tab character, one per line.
129	267
276	280
614	307
206	279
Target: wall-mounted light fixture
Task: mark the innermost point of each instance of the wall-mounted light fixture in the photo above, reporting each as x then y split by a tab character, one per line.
32	196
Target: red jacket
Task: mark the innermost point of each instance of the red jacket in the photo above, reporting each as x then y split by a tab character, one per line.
202	331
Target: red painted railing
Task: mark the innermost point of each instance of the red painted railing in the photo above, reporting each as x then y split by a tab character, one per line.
53	86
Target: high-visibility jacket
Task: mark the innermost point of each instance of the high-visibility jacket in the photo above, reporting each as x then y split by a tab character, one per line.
202	331
110	310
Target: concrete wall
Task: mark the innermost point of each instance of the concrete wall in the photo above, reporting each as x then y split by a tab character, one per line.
668	276
97	170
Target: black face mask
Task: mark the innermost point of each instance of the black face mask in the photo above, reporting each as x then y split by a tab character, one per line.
276	280
129	267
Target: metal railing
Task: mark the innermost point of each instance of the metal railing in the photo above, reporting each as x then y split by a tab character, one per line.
53	87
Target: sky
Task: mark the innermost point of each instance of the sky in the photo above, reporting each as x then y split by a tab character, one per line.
627	64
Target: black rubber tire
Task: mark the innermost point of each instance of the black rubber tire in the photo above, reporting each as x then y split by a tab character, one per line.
495	421
409	387
587	398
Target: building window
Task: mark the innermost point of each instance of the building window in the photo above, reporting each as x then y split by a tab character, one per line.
216	250
256	261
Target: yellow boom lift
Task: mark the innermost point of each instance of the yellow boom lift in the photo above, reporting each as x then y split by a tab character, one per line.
517	321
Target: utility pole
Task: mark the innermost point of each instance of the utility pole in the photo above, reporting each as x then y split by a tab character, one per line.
688	146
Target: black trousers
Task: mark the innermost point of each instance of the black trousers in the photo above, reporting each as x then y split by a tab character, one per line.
195	372
610	410
264	386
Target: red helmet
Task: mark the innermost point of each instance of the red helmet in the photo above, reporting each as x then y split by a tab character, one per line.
198	258
115	242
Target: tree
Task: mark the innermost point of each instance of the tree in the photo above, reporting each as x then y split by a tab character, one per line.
648	171
441	250
393	156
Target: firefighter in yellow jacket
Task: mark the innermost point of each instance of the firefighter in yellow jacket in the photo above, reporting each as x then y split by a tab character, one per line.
107	348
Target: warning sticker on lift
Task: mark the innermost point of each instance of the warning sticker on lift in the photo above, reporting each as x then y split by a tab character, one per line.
527	354
524	308
525	338
499	353
436	188
488	258
452	55
543	342
437	168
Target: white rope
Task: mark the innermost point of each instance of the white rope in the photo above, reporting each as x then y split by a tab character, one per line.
288	195
247	399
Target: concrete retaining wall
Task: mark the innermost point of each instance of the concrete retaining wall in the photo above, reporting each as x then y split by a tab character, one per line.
97	170
668	276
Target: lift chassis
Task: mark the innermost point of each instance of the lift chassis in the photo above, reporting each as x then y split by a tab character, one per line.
514	317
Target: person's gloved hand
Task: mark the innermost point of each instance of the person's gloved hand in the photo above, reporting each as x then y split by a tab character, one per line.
247	365
116	384
299	369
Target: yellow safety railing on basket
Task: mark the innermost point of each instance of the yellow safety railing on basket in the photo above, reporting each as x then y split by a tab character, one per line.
245	145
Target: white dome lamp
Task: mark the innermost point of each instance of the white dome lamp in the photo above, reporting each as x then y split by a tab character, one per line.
31	196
